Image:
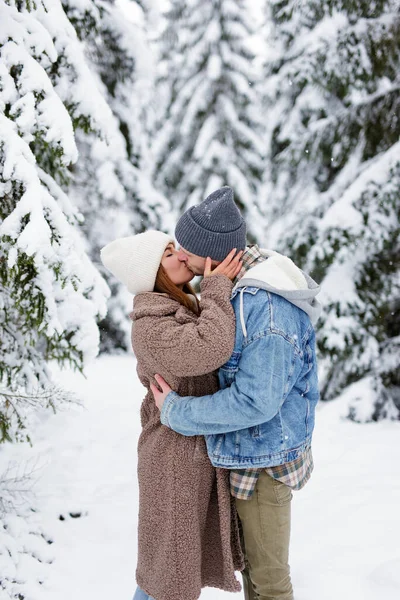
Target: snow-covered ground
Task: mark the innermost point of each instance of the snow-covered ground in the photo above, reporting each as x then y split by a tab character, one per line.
345	536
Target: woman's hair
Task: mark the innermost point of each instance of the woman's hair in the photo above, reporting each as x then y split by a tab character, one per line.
164	285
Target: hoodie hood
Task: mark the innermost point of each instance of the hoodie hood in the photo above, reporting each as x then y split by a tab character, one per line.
278	274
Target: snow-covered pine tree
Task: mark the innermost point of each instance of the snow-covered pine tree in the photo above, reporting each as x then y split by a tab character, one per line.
332	186
26	550
51	294
111	181
209	135
166	44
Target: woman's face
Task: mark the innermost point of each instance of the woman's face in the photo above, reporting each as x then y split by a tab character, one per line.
175	268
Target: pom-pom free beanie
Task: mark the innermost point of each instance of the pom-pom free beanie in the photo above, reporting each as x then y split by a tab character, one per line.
135	260
212	228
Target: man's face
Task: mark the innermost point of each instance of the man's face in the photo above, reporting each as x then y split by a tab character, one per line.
193	262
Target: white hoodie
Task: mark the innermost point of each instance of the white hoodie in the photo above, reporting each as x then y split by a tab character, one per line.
278	274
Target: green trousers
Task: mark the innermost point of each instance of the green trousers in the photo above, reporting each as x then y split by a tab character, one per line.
265	529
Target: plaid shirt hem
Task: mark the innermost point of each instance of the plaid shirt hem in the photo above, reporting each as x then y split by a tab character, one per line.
294	474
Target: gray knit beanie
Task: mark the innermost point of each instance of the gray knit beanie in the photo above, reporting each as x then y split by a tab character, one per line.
212	228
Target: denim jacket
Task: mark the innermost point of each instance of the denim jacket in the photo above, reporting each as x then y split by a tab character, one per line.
265	411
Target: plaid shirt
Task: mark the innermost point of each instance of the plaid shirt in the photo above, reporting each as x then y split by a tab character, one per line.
251	257
294	474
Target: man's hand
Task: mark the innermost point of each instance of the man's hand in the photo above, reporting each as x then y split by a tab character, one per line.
159	397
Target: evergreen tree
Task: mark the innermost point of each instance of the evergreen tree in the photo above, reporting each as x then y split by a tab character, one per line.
52	295
332	185
210	135
169	59
50	292
26	551
111	181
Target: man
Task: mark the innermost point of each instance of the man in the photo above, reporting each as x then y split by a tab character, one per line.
260	423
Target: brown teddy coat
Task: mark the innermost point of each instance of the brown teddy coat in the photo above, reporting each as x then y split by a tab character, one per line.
188	530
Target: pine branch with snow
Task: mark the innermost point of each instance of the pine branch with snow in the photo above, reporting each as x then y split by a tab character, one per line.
333	174
111	181
25	553
18	409
51	293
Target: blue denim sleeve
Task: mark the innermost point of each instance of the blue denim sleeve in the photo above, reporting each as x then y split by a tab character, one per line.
263	380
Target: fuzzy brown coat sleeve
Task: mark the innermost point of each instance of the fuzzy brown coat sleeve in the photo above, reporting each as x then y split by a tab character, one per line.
188	349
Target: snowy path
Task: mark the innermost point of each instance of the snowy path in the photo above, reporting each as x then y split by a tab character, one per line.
345	539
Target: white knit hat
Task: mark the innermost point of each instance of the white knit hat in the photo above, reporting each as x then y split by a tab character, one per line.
135	260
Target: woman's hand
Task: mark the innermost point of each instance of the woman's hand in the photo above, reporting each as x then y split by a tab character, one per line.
159	397
230	266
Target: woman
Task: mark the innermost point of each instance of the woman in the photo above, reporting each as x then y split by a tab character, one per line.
187	532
